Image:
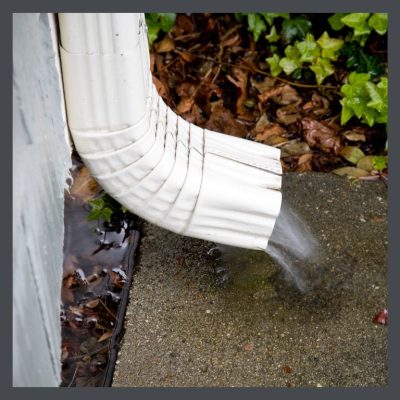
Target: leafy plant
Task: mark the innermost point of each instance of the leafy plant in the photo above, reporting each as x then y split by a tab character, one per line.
318	54
295	28
157	22
257	23
364	99
99	210
361	23
358	60
380	162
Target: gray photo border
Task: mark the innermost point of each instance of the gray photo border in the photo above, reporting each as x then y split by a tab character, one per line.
8	392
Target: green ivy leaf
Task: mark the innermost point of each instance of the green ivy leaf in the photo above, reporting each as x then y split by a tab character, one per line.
240	16
295	28
273	35
335	21
379	22
322	68
297	74
256	25
308	49
379	99
364	99
357	59
99	210
274	65
158	21
329	46
153	27
292	60
357	21
379	162
269	17
167	21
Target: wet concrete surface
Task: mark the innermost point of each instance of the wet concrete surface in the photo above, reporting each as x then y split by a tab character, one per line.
197	318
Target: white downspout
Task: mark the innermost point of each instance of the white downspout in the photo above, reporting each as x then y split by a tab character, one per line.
181	177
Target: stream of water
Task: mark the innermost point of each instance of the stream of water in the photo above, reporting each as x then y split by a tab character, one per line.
293	246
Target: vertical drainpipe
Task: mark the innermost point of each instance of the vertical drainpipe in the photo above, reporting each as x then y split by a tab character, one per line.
174	174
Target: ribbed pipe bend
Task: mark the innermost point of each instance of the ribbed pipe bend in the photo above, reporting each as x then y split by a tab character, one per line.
174	174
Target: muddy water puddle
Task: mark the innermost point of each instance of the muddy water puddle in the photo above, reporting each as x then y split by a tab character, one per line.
97	272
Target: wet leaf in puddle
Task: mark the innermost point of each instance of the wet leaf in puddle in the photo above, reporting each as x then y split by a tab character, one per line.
382	317
352	154
84	186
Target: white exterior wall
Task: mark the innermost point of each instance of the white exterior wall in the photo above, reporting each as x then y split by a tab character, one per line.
41	159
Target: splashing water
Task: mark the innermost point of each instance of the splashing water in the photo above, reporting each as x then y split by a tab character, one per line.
292	246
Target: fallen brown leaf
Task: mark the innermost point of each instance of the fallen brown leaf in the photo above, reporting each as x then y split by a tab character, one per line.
354	135
366	163
275	140
262	124
195	116
232	41
185	89
105	336
287	369
84	186
264	85
92	303
240	81
183	24
288	114
281	94
304	163
248	346
275	130
321	135
222	120
318	105
166	45
353	172
295	148
152	62
352	154
382	317
161	88
185	56
185	105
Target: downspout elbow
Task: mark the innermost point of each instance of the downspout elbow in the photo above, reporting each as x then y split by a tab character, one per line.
174	174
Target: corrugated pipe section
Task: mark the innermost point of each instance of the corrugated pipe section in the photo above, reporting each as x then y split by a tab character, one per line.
174	174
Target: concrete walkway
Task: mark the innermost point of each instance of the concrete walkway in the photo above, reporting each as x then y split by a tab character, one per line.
197	319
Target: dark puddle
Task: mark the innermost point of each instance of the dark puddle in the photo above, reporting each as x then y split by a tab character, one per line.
98	269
